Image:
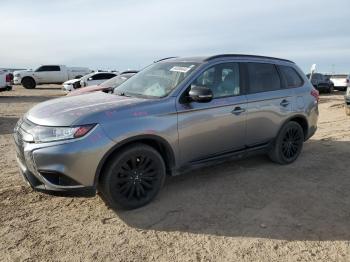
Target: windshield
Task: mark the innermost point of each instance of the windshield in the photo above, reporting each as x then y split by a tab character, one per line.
157	80
116	81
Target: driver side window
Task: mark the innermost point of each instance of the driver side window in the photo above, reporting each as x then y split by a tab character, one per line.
222	79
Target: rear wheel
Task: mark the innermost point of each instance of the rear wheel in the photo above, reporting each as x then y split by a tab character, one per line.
330	89
28	83
288	144
133	177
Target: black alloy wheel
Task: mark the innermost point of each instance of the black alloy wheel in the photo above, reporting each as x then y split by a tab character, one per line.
291	143
288	144
134	177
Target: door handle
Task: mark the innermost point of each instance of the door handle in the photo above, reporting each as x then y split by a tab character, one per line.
237	110
284	103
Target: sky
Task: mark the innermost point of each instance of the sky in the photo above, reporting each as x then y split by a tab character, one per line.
132	34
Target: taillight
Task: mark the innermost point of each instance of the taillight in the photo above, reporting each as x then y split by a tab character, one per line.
347	81
8	78
315	94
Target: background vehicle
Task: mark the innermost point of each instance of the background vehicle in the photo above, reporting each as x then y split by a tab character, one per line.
341	81
5	81
164	120
72	84
48	74
96	78
347	101
321	82
107	86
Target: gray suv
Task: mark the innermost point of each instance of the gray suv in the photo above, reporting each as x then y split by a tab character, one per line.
174	115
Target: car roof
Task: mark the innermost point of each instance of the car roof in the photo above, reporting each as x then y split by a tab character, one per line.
202	59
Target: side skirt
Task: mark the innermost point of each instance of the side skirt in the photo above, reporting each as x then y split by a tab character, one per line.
223	157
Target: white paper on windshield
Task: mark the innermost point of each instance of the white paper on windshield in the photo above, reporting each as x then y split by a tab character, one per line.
181	69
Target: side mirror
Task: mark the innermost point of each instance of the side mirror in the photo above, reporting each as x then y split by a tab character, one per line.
201	94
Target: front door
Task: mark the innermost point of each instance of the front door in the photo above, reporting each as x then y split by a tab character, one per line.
217	127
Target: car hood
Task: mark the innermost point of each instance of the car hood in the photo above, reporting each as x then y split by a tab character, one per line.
84	109
84	90
26	72
72	81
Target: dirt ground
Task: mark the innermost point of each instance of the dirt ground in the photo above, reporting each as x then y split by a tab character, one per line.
247	210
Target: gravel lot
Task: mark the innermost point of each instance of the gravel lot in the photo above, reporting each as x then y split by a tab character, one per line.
246	210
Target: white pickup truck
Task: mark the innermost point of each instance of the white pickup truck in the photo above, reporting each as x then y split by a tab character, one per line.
48	74
5	81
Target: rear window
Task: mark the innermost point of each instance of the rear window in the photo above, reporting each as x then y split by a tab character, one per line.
263	77
291	77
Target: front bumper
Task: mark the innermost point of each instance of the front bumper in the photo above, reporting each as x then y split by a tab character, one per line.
67	87
69	165
17	80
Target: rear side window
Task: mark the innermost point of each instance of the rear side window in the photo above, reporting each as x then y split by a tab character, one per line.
291	77
48	68
102	76
53	68
263	78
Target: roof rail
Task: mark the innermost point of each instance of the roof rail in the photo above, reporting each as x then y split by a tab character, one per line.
164	59
243	55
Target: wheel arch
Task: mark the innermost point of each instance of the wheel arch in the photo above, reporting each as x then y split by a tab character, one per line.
156	142
28	77
301	120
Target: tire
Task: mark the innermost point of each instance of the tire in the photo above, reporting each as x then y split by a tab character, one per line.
288	144
347	110
133	177
28	83
330	90
76	85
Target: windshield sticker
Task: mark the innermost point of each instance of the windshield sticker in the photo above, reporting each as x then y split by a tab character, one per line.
180	69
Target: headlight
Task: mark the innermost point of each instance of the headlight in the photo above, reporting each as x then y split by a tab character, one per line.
17	75
42	134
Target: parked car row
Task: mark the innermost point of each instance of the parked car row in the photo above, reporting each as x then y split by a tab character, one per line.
175	115
48	74
94	78
107	86
328	83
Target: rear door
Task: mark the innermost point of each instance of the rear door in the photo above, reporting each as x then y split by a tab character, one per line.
217	127
268	102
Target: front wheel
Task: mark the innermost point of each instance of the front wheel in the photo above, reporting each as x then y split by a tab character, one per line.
288	144
133	177
28	83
